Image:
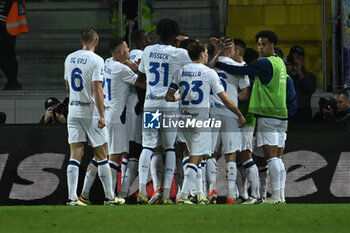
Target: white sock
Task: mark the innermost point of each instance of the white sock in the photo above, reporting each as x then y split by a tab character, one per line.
169	169
157	170
252	173
144	162
204	177
211	173
105	175
130	174
184	163
199	182
231	175
123	168
283	178
263	181
189	179
240	182
72	179
89	179
274	171
114	170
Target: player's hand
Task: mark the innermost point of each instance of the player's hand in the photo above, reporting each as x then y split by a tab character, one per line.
242	121
101	123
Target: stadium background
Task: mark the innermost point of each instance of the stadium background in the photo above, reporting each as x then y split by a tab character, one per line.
33	167
318	161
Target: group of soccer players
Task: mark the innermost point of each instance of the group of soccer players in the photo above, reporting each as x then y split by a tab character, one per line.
107	99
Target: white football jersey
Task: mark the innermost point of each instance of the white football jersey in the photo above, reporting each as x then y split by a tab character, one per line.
159	63
132	100
194	82
118	80
81	68
135	55
231	83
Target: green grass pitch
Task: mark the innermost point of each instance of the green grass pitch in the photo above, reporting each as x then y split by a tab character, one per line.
181	219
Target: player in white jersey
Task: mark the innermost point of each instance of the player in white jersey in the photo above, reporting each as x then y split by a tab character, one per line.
139	39
83	74
158	64
119	79
229	135
248	167
194	81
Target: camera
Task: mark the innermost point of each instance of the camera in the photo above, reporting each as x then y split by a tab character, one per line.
324	103
62	108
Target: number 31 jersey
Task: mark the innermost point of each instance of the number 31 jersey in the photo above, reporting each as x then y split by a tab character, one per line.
81	68
159	63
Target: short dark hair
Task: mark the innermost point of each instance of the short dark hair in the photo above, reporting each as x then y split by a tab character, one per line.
88	34
271	36
279	52
167	29
240	45
114	43
341	92
137	35
296	49
195	48
184	43
250	56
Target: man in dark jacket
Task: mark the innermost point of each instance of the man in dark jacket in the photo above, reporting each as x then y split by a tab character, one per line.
342	112
304	83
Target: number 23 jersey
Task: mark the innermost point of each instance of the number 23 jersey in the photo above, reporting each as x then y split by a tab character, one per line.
195	82
81	68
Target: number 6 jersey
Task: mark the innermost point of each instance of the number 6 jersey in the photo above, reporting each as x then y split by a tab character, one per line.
81	68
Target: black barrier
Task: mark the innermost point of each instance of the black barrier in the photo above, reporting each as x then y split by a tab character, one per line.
34	158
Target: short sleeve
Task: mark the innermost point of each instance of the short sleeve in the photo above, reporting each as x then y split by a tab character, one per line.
244	82
215	83
142	63
183	57
97	72
128	76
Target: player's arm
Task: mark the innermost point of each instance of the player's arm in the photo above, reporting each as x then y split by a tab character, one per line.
98	95
134	67
140	84
67	85
170	95
220	45
244	94
232	106
141	78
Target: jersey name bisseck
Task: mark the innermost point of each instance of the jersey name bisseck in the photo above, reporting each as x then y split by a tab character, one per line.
231	83
159	63
194	82
118	80
81	68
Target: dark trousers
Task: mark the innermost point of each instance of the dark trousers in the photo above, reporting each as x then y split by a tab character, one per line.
8	60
